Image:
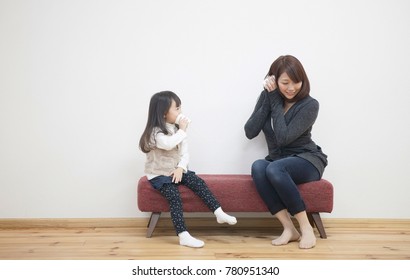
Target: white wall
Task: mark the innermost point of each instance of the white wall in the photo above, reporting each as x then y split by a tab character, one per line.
76	78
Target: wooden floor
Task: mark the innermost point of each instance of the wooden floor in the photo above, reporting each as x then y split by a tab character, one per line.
79	239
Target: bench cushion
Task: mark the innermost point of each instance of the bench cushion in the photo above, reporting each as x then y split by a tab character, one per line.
235	193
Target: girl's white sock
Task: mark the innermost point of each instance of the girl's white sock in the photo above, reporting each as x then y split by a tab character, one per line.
185	239
222	217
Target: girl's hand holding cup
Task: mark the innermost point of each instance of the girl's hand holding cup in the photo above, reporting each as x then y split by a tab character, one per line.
182	121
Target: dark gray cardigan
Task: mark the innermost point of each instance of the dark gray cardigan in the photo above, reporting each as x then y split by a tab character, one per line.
287	134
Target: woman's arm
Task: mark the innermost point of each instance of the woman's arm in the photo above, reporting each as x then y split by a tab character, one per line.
258	118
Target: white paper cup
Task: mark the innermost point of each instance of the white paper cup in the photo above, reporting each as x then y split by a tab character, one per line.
180	117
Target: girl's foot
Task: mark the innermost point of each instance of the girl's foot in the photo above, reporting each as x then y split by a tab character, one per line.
288	235
185	239
222	217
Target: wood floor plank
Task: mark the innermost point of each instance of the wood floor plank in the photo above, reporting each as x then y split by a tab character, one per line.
351	239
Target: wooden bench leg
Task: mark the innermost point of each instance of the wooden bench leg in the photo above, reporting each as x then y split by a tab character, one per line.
315	220
153	220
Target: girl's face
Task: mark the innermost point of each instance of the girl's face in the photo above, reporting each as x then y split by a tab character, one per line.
288	87
172	113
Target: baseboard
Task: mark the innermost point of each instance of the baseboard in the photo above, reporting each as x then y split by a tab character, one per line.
165	222
72	222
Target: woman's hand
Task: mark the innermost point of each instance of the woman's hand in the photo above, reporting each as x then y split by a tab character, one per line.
177	175
269	83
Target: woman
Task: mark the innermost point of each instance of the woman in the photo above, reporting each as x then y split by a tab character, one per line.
285	112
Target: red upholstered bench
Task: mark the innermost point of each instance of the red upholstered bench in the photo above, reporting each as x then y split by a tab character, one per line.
235	193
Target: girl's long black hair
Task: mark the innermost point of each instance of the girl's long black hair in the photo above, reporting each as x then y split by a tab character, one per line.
158	108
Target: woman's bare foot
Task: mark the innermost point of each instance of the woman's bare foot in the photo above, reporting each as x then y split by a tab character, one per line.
308	239
288	235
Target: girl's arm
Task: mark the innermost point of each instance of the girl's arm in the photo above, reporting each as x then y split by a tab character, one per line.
183	163
183	152
168	142
302	121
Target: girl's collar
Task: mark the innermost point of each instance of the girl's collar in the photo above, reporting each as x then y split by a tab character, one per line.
170	126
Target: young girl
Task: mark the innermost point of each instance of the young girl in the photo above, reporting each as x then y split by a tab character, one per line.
166	167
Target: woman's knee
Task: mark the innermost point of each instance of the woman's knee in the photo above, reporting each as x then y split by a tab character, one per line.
276	173
259	167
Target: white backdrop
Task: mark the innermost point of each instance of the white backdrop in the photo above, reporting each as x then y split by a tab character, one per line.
76	78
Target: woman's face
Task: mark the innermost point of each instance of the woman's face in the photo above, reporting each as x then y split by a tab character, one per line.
288	87
172	113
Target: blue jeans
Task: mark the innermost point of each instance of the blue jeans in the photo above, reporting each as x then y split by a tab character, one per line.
276	182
